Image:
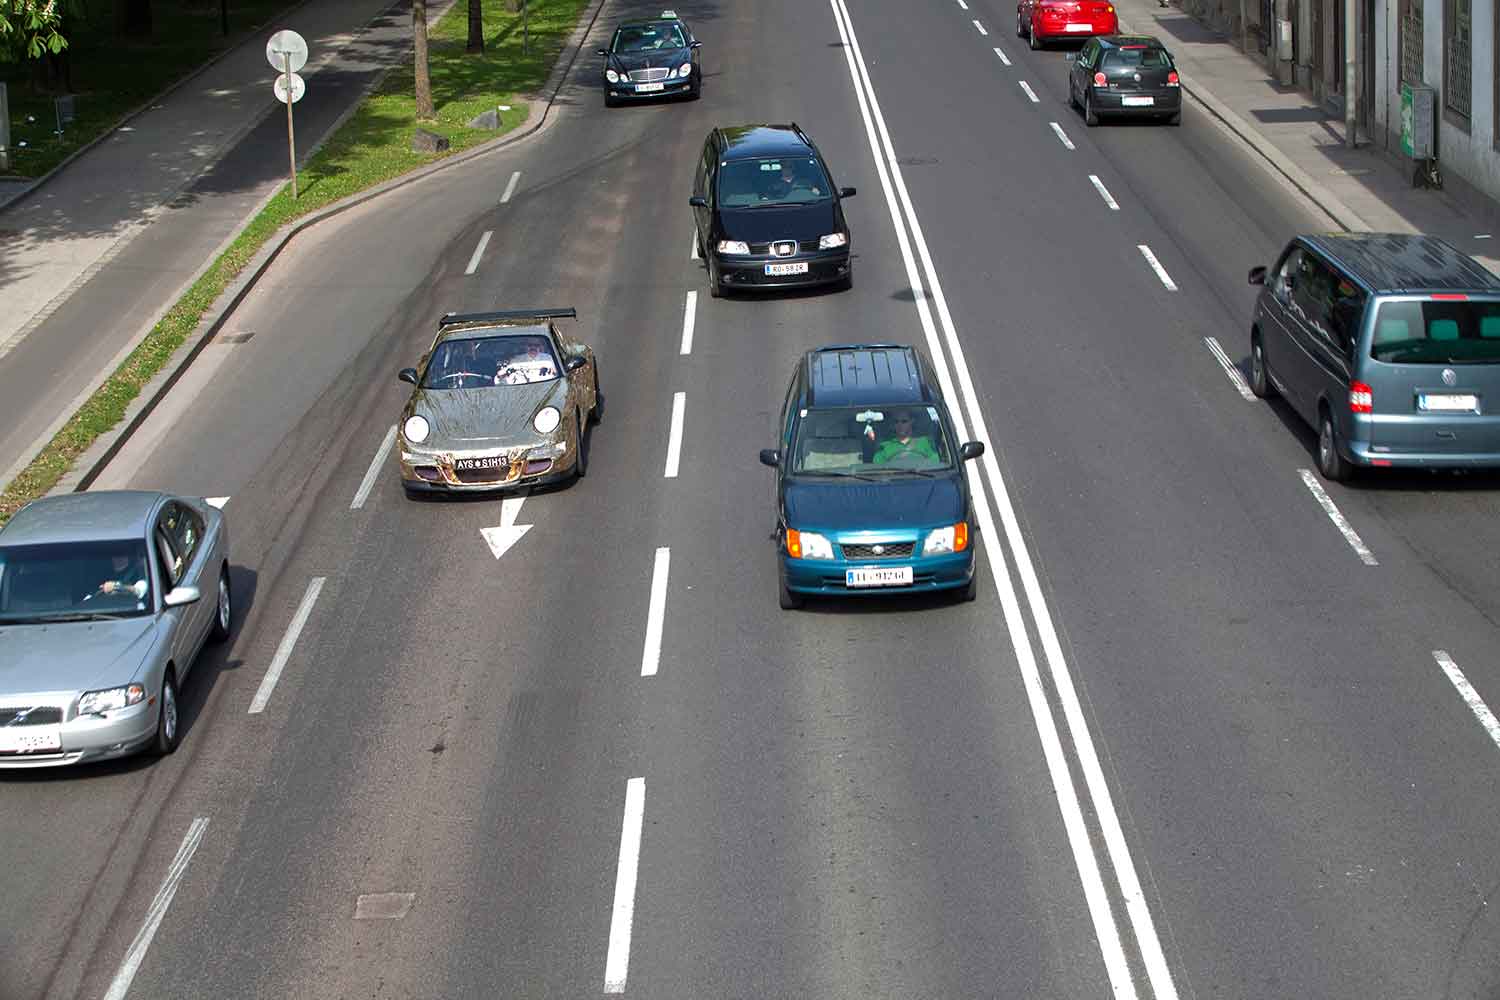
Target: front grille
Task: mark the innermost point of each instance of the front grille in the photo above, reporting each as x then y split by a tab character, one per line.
764	249
889	550
499	474
43	716
649	75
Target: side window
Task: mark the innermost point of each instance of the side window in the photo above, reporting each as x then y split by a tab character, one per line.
1286	274
171	565
187	534
786	412
1347	315
170	529
1090	54
1314	296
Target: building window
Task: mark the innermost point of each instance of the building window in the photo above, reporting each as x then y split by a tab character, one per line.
1411	41
1458	45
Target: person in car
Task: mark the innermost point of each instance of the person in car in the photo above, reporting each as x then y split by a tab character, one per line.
903	443
126	576
533	364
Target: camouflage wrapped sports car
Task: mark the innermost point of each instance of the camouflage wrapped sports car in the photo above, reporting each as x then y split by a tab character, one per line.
501	400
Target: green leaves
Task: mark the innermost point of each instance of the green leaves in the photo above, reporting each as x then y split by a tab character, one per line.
29	28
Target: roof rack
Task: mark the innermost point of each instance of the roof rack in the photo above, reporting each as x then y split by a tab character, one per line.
449	319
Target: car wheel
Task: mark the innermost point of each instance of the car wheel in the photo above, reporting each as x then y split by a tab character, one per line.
1175	119
848	282
1072	94
580	456
714	291
596	412
224	612
1020	25
970	591
610	102
167	733
1334	466
1089	117
1260	379
789	599
1036	41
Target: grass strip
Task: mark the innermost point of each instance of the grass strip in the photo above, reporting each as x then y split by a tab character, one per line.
373	146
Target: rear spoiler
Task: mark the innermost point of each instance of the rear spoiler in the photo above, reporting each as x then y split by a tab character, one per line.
450	319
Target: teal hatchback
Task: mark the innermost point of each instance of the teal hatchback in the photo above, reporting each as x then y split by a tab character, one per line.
871	493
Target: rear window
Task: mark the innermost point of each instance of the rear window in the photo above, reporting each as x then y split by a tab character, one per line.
1146	58
1437	332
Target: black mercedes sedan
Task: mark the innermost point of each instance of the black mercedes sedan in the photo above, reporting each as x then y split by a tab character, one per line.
656	58
767	212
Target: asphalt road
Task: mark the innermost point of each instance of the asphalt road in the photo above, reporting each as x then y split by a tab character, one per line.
1187	742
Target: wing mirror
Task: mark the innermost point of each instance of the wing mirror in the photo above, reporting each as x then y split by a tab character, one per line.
770	456
1258	275
970	449
696	45
1072	57
846	192
604	52
178	596
408	375
698	201
576	362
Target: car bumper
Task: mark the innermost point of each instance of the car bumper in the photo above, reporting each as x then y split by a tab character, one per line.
1426	441
90	738
826	577
743	272
1056	30
419	478
1166	101
631	91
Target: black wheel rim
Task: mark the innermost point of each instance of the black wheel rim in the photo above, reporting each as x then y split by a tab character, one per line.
1325	445
169	713
1257	366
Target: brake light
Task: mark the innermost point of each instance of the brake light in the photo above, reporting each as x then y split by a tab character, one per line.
1100	80
960	536
1450	297
1172	79
794	543
1361	398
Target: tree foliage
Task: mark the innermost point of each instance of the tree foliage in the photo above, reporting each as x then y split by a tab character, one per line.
29	28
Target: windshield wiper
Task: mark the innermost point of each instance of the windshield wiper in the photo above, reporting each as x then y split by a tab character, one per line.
68	616
910	472
842	475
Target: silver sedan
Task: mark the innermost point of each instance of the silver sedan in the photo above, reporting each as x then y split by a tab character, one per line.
105	601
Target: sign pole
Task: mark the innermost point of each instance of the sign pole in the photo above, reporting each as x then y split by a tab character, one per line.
291	138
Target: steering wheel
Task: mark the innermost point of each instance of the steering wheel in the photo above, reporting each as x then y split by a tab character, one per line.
461	375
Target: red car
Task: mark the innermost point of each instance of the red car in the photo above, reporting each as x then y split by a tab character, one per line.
1043	21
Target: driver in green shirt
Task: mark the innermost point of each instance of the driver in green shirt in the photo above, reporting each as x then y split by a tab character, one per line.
903	442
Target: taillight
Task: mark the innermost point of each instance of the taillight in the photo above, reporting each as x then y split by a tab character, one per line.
1361	398
794	543
1100	80
1172	80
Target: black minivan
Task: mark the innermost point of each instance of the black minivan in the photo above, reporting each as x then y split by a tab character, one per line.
1388	344
767	212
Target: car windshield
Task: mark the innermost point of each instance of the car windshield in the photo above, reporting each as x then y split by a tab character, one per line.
648	38
871	441
62	581
784	180
1441	332
476	362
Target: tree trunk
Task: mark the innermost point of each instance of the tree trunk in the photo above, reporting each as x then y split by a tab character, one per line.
476	26
424	82
133	17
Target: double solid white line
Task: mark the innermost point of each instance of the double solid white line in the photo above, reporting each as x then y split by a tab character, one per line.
1127	882
136	953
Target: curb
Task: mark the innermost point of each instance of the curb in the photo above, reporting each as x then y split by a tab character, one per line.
88	466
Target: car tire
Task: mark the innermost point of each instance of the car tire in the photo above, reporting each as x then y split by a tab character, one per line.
596	412
1175	119
1090	117
970	590
1072	94
1034	40
1334	466
848	283
1020	26
714	291
1260	376
168	724
223	611
789	599
610	102
580	455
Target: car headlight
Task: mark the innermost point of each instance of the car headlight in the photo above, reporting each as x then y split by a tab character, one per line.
733	246
833	241
547	419
111	699
416	429
686	69
611	76
807	545
952	538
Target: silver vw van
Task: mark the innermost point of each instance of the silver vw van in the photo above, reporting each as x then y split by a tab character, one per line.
1388	344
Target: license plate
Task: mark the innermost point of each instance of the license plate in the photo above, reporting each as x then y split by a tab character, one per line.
1448	402
878	576
30	739
799	267
476	464
1080	27
1137	102
650	88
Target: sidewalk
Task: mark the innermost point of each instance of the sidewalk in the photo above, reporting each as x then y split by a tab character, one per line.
1361	189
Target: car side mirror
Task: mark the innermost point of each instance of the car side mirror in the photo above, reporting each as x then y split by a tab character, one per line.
1072	57
698	201
1258	275
604	52
696	45
408	375
770	456
178	596
970	449
846	192
576	362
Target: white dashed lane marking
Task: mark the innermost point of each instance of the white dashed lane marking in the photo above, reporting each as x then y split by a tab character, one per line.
510	188
1003	57
1161	272
674	439
617	961
1229	368
288	643
1469	695
656	612
484	241
689	320
1339	521
1029	92
1062	136
368	483
1109	200
980	28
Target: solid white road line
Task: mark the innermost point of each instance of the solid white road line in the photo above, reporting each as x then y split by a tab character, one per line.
617	962
510	188
693	247
1029	92
368	483
1133	895
1229	368
1161	272
1061	135
288	643
656	612
484	241
979	27
136	953
1469	695
674	439
1109	200
1326	502
1003	57
689	320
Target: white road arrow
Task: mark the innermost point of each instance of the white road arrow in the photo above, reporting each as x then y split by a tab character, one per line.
509	532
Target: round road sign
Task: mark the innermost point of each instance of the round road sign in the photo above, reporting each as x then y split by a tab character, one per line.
298	88
286	44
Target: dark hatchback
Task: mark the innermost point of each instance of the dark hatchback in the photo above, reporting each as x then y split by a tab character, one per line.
1125	76
767	212
647	59
871	496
